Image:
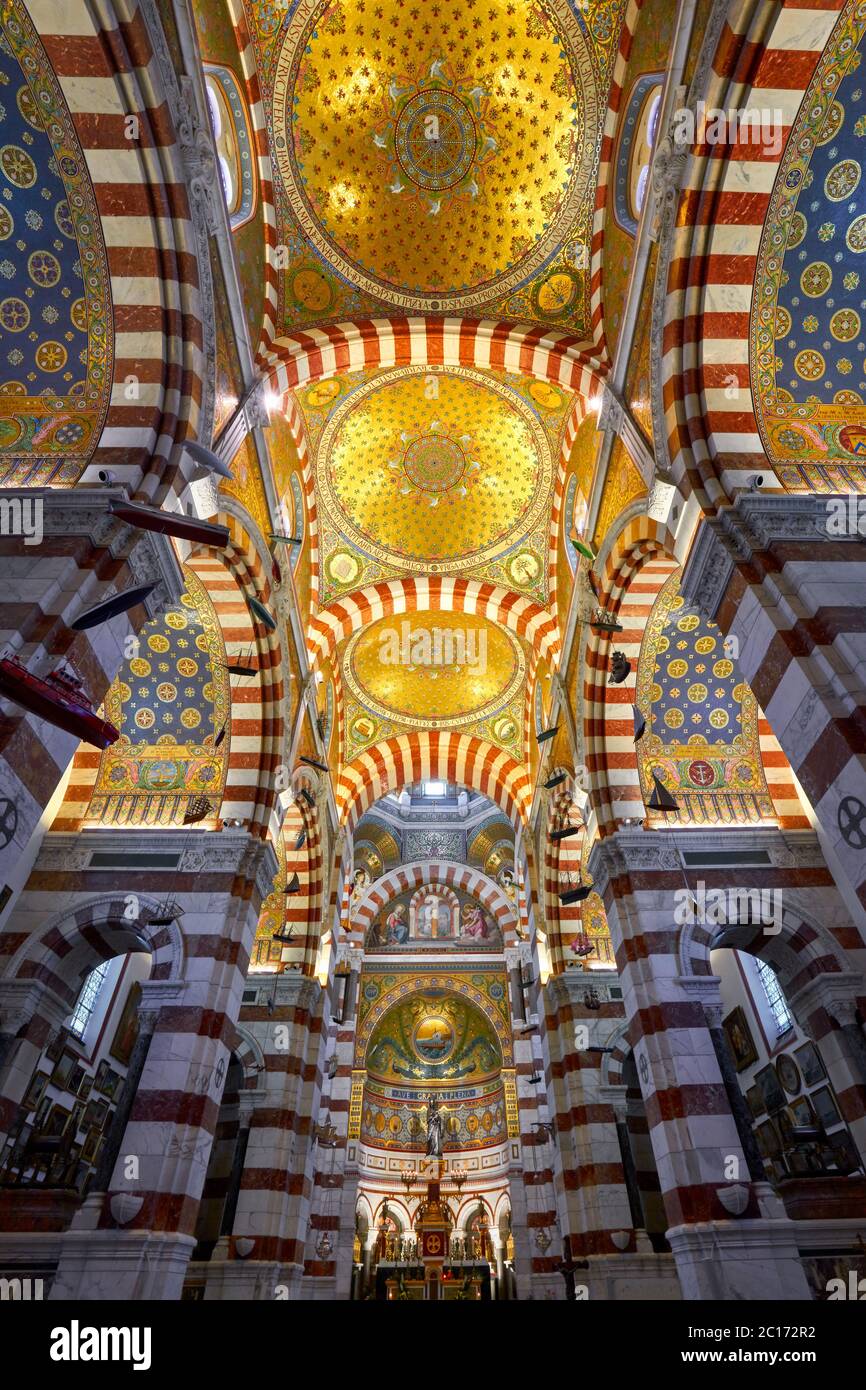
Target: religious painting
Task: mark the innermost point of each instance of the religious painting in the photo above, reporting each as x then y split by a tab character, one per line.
63	1070
844	1151
769	1143
419	919
127	1029
740	1039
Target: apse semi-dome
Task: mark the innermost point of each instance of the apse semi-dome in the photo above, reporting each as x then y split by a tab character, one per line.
435	162
434	1039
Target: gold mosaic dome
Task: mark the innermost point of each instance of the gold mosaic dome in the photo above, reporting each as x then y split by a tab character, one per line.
421	469
435	155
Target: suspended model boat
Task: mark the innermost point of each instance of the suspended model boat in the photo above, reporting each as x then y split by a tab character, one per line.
58	698
661	799
556	780
207	458
306	797
294	884
185	528
575	895
110	607
323	767
564	833
547	734
259	611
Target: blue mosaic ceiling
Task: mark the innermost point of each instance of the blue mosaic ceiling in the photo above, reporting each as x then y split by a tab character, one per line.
808	341
820	337
55	311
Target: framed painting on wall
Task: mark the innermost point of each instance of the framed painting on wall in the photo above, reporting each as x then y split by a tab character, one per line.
768	1082
825	1107
788	1073
811	1066
740	1038
755	1101
127	1029
768	1139
38	1082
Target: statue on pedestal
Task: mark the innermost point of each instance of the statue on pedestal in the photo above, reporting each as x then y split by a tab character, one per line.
434	1128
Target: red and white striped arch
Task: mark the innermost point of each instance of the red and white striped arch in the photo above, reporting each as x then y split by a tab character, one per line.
108	72
435	754
411	876
639	564
765	59
433	593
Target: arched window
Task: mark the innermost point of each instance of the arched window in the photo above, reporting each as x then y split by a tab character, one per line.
85	1004
638	132
231	128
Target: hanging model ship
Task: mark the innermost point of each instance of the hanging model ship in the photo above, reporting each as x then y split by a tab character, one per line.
58	698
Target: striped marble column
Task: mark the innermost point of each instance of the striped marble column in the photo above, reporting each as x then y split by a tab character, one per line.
785	576
275	1195
82	557
136	1240
729	1236
589	1180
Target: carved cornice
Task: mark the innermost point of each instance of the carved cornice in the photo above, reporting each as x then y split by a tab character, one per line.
836	993
753	523
294	990
20	1000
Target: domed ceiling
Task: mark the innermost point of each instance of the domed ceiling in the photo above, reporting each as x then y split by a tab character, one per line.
433	670
435	158
425	470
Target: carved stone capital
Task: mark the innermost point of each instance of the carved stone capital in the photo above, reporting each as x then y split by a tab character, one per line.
835	993
21	1000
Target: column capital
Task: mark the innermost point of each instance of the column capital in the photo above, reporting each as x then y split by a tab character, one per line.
754	522
835	993
20	1000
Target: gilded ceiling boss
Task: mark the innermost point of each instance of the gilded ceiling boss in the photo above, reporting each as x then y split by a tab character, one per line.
432	778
